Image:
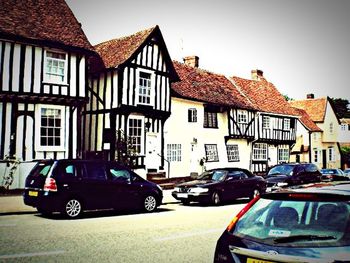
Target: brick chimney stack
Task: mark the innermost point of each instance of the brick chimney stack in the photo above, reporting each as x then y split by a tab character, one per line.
310	96
192	61
257	74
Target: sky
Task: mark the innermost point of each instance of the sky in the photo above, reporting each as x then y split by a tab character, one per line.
302	46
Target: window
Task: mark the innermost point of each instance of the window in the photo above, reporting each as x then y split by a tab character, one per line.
286	124
331	155
283	154
260	152
266	122
120	175
145	88
211	153
94	171
210	119
55	67
242	116
343	127
136	133
316	155
51	128
331	127
232	153
192	115
174	152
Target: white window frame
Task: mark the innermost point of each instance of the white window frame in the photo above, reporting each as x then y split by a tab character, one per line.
242	117
211	152
331	154
142	131
192	115
283	153
343	127
266	122
232	152
286	124
174	152
52	77
150	89
38	126
260	152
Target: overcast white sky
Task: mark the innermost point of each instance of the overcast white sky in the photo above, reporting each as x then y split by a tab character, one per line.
303	46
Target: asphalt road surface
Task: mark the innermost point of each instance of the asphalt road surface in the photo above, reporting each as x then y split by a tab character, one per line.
175	233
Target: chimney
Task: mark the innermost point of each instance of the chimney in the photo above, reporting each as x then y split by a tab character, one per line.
191	61
257	74
310	96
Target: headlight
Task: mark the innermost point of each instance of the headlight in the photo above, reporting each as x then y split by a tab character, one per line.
199	190
282	184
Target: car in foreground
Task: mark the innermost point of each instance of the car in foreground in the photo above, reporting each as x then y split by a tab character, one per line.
333	174
73	186
291	174
347	172
218	185
306	224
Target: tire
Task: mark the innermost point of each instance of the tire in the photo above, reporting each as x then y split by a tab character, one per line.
215	198
72	208
255	193
149	203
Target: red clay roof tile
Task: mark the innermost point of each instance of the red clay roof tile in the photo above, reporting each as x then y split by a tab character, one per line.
315	108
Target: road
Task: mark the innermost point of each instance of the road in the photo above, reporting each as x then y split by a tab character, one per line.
176	233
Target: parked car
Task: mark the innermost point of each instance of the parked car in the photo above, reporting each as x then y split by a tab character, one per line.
290	174
222	184
333	174
298	225
72	186
347	172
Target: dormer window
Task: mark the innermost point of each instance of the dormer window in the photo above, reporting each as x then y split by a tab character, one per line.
144	96
55	67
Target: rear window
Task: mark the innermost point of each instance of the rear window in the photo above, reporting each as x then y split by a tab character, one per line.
301	223
282	169
41	169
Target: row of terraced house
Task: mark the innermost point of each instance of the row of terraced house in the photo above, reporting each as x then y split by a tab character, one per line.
127	100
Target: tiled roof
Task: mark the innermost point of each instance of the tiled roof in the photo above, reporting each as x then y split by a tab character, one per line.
315	108
48	21
306	121
116	51
264	96
201	85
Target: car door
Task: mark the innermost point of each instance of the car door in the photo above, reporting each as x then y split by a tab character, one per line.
125	192
94	186
232	185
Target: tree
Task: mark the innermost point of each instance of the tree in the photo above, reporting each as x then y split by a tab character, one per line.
341	107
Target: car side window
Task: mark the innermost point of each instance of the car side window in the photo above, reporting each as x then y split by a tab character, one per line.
234	175
244	175
70	170
311	168
95	171
119	175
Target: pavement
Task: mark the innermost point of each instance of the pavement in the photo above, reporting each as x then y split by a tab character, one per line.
13	204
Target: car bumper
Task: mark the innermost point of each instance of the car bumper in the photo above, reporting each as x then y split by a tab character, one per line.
191	197
46	201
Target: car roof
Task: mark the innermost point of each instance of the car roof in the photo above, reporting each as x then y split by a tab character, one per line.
329	188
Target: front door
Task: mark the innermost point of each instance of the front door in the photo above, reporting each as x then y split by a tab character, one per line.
152	151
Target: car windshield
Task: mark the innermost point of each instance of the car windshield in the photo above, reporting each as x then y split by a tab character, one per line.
281	170
217	175
296	223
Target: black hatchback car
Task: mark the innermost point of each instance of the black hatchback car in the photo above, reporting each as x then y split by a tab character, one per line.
221	184
290	174
296	225
72	186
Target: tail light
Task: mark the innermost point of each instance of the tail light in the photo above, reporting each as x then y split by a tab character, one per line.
50	185
232	224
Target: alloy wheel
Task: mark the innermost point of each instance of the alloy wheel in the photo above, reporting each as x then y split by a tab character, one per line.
216	198
73	208
150	203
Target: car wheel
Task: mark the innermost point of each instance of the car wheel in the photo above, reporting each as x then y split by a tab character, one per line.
72	208
215	198
149	203
255	193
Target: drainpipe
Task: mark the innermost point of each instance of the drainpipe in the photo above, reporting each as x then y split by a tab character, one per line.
310	146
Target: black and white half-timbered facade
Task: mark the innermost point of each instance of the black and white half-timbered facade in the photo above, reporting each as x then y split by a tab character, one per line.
43	77
129	94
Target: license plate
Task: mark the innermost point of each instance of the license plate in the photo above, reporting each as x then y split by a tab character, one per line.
33	193
182	195
253	260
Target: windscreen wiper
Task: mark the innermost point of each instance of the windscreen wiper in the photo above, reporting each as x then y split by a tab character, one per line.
302	238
